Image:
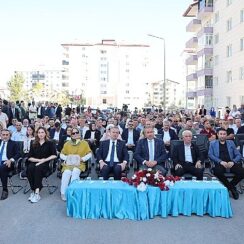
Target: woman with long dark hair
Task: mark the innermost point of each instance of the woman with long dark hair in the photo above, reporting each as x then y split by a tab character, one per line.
41	152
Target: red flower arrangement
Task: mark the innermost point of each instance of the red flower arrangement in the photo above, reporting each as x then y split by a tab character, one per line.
145	177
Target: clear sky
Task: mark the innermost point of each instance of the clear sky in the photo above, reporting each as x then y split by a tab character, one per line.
31	31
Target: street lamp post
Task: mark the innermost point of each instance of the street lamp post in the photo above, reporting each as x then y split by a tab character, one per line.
164	84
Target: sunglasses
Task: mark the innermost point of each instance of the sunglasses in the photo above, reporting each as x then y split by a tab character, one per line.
75	133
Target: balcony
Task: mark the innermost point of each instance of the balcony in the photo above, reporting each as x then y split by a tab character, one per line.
192	43
205	51
205	72
191	60
191	94
205	8
191	77
205	30
208	92
193	26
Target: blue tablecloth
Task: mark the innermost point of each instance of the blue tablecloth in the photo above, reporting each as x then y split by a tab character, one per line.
116	199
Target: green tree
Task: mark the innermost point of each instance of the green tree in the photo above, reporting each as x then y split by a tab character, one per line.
36	90
16	87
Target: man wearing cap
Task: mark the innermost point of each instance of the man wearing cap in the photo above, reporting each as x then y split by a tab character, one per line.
232	123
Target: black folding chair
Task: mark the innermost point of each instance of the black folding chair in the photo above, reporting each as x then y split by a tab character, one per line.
238	139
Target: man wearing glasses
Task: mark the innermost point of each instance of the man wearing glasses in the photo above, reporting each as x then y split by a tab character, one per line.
8	154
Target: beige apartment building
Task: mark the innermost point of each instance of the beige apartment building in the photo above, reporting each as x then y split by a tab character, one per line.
215	61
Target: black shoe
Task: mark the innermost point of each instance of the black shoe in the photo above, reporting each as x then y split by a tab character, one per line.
4	195
235	193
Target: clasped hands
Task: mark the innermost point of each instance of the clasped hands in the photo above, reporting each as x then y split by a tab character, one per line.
123	165
150	164
227	165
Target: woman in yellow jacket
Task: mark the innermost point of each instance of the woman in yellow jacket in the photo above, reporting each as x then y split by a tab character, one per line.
74	153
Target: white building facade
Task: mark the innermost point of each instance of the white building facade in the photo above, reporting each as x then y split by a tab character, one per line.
107	73
215	62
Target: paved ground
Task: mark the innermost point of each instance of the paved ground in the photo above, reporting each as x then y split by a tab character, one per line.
46	222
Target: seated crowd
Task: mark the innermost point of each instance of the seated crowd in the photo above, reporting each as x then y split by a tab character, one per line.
107	139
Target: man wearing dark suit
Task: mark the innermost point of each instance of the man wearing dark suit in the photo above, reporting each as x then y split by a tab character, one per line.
8	154
112	155
167	134
150	151
226	158
202	111
187	158
13	113
57	132
131	136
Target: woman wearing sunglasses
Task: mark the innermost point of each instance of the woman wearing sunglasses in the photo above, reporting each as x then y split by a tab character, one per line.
74	153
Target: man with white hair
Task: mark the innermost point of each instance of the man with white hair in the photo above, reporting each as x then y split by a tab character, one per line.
187	157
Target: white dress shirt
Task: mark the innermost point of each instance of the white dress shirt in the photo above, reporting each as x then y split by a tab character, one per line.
130	137
166	136
188	156
4	156
151	151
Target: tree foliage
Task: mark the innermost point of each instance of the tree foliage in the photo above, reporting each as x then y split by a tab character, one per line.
16	87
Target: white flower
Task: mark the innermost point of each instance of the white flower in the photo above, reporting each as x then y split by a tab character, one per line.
148	175
156	175
167	183
133	177
144	179
149	169
142	186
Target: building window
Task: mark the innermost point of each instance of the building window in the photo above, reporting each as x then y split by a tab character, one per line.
216	60
242	44
229	76
242	73
216	17
242	15
104	101
103	51
127	92
229	24
216	38
228	2
229	50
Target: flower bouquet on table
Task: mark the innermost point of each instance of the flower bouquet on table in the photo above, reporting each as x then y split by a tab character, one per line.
145	177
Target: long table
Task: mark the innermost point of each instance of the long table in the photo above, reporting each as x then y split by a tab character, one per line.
116	199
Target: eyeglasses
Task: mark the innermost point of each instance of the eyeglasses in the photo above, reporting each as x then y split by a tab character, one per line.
75	133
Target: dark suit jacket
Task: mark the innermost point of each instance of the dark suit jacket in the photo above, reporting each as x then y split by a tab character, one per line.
12	150
240	130
125	135
121	150
61	142
52	132
172	134
178	154
142	151
97	136
11	116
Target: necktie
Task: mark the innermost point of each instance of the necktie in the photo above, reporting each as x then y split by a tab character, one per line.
1	152
151	153
111	162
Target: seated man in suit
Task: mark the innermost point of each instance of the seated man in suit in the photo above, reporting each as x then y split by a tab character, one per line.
131	136
112	155
225	156
150	151
168	134
187	158
56	133
8	154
